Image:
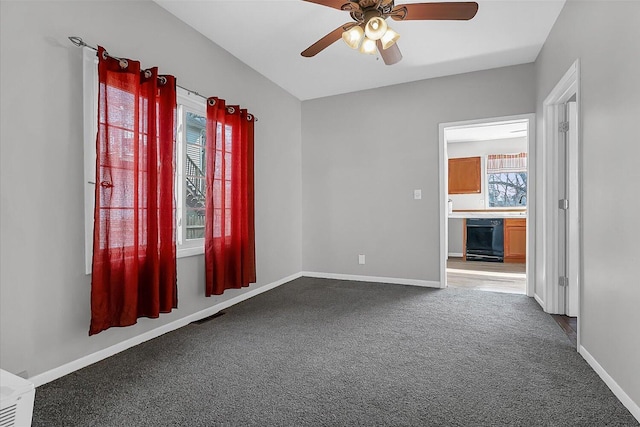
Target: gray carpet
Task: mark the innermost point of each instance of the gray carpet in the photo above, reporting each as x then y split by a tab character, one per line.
318	352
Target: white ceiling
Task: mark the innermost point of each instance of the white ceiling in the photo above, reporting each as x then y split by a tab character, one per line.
269	35
487	132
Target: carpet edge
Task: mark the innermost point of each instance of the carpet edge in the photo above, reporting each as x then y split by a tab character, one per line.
375	279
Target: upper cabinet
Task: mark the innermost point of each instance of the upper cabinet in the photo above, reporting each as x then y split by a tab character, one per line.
465	175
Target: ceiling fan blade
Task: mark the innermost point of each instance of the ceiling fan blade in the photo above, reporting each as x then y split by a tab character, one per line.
391	55
327	40
337	4
460	11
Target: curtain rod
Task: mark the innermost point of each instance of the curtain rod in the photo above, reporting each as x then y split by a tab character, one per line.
81	43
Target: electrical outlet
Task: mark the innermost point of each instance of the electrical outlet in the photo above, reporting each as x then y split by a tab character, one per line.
417	194
361	259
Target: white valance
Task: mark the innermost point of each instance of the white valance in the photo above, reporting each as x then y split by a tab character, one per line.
501	163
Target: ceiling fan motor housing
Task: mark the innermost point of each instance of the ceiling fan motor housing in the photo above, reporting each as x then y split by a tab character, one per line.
368	9
370	17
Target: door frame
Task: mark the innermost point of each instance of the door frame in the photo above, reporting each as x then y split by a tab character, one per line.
553	111
531	192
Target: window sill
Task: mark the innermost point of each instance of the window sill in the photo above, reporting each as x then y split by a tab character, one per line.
488	214
187	252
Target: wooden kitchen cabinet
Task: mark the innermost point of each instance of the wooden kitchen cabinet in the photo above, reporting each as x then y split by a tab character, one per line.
465	175
515	240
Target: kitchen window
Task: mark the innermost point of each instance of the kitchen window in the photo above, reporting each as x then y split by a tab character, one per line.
507	180
507	189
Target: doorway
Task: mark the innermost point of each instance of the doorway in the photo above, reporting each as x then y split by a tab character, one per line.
557	287
487	188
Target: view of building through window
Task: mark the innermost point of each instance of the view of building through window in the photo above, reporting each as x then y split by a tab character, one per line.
195	175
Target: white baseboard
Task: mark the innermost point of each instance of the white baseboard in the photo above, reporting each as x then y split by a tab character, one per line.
82	362
455	255
392	280
632	406
539	300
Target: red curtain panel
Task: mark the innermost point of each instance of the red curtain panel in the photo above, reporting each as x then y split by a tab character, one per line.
229	230
134	246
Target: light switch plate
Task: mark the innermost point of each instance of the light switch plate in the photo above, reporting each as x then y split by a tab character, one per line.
417	194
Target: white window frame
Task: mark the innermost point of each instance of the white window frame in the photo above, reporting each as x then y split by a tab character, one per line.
90	130
187	101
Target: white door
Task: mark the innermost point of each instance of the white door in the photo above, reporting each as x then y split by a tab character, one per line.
568	250
563	201
573	255
558	274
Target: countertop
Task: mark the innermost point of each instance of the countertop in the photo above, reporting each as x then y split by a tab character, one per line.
488	214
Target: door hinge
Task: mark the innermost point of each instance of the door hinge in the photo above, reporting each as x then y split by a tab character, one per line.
563	127
563	204
563	281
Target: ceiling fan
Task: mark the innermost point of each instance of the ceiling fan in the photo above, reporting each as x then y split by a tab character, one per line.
370	32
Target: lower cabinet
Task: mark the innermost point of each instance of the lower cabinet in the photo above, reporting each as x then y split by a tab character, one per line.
515	240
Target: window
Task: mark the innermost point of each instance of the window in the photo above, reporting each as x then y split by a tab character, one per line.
220	182
190	180
191	183
507	180
507	189
190	168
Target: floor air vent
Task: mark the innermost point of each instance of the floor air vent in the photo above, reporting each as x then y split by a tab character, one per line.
205	320
16	405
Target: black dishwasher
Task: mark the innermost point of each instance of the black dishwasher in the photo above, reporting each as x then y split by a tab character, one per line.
485	239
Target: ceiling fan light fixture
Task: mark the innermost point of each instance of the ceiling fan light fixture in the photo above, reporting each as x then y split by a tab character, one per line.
375	28
389	38
353	37
370	33
368	46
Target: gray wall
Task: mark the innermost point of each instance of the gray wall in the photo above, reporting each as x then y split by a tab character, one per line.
44	291
363	155
456	235
606	38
